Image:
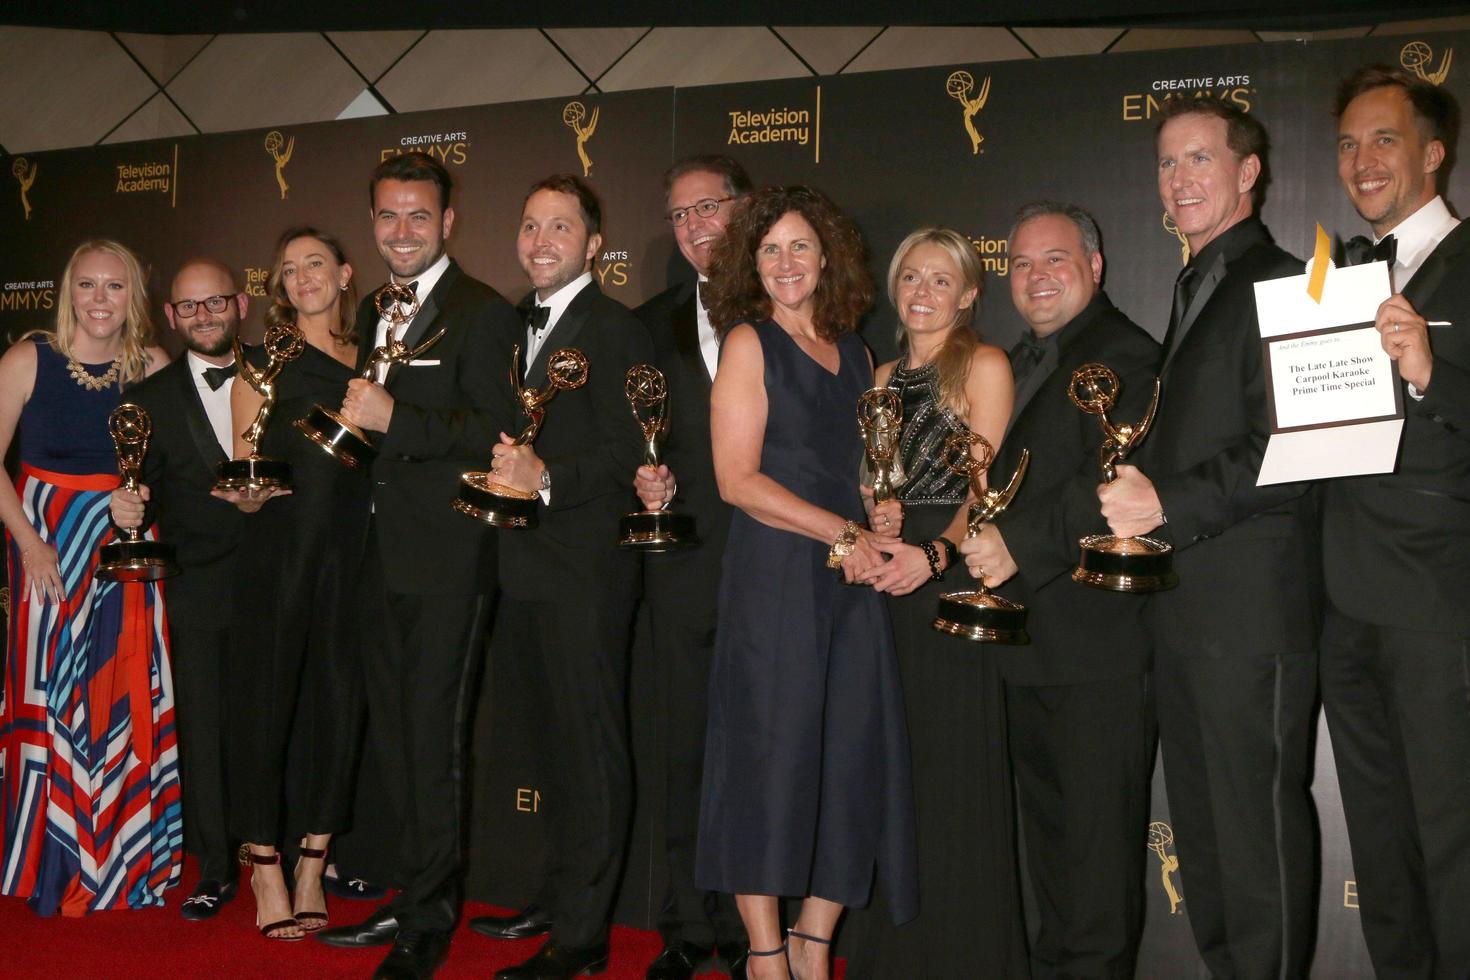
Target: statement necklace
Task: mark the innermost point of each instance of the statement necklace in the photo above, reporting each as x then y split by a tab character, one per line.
94	382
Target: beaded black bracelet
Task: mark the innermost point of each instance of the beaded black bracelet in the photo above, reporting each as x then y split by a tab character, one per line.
951	553
932	553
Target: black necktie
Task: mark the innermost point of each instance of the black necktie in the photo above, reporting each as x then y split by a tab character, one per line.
1027	353
537	317
1183	296
701	289
1360	249
217	376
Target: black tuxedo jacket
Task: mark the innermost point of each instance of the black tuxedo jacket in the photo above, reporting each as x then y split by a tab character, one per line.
449	408
694	572
1397	546
1246	555
1078	634
591	446
179	472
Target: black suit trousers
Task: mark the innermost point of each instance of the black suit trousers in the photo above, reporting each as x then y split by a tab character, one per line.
197	658
1235	723
1398	708
1082	754
421	651
578	659
683	645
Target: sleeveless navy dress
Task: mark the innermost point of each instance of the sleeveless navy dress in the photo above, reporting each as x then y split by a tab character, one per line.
806	775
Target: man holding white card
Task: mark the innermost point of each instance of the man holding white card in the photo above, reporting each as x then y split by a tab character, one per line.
1395	660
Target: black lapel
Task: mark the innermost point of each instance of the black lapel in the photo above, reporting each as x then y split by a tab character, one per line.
1213	276
429	308
684	323
1431	274
367	329
565	332
198	420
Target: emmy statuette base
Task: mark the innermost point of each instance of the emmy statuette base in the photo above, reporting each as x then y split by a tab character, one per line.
656	531
982	617
338	437
498	505
253	473
137	561
1116	564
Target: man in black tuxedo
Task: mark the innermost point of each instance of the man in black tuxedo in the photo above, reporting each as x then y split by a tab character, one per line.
1078	711
430	573
189	403
1235	643
681	587
569	589
1396	551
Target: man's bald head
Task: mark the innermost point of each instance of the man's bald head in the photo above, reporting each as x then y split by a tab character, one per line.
208	333
198	264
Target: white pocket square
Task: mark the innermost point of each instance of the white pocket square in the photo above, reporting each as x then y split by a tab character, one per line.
423	363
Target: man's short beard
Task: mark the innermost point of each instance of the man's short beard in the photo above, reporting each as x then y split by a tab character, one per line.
218	349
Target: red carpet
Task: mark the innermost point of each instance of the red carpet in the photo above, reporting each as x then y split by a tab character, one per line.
156	944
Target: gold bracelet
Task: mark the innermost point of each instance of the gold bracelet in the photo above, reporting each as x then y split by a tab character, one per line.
843	544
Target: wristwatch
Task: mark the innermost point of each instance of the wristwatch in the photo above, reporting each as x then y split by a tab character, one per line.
842	547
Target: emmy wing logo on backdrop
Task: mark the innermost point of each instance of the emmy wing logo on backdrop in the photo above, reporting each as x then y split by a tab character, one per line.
1173	229
1417	56
25	173
280	150
959	85
1161	842
574	115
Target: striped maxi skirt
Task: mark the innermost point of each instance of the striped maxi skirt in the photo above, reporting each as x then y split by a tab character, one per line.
90	812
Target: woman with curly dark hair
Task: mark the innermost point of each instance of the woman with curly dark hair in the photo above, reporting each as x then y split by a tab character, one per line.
806	778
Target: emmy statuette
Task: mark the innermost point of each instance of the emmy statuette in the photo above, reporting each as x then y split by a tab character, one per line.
661	529
348	443
256	473
1136	564
482	495
132	557
880	420
980	615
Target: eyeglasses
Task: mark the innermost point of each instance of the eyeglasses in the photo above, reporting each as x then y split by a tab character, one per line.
707	208
186	308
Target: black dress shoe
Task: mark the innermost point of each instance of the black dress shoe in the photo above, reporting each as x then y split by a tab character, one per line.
553	962
340	887
735	956
378	929
415	956
677	962
530	921
207	898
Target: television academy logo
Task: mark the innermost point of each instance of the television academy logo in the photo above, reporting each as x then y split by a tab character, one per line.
1161	842
959	85
280	150
1417	56
574	115
1173	229
25	173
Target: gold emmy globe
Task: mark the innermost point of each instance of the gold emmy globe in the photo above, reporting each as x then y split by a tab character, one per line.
1136	564
880	420
346	442
661	529
482	495
256	473
980	615
133	558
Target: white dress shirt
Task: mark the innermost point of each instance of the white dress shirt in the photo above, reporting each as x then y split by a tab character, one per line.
216	403
426	280
556	304
709	341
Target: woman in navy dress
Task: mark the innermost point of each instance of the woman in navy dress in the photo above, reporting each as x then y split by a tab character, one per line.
806	778
294	685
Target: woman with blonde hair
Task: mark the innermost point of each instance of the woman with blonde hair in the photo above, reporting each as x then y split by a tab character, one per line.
90	814
952	386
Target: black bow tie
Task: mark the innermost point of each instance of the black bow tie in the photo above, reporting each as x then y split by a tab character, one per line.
1360	249
537	317
217	376
1025	356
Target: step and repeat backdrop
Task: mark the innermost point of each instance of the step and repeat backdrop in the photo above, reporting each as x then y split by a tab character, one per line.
962	145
